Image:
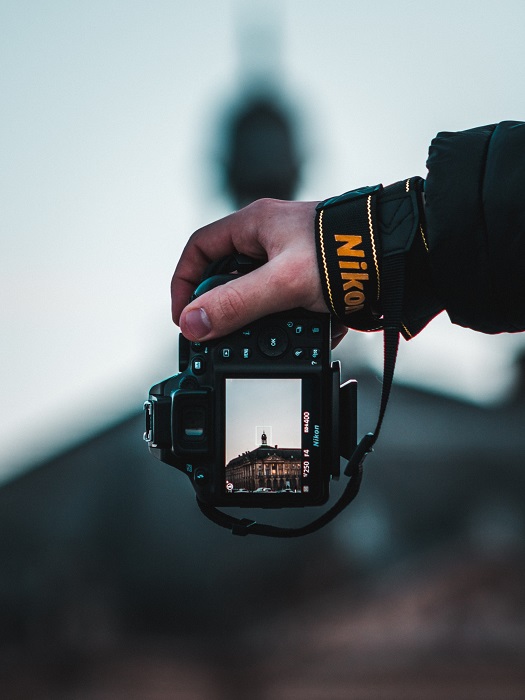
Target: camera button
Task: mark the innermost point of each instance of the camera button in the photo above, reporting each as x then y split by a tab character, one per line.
298	353
200	347
273	342
226	353
246	353
315	330
198	365
200	476
315	353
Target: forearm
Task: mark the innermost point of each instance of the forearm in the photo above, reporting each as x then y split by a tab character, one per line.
462	238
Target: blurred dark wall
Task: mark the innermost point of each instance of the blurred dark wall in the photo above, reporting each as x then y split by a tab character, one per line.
112	584
105	538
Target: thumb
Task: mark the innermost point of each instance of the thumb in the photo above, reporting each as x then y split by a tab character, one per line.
231	306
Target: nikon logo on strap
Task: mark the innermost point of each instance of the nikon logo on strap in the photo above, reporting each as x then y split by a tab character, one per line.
353	282
348	257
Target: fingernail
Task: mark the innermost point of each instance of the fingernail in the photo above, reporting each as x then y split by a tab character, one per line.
198	323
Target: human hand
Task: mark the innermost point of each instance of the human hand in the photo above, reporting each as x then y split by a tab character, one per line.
279	232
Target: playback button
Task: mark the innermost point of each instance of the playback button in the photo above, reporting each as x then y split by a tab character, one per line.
198	365
273	342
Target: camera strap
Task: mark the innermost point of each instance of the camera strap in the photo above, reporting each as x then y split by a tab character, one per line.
393	278
397	224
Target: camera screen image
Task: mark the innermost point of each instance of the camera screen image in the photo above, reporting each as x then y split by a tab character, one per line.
264	428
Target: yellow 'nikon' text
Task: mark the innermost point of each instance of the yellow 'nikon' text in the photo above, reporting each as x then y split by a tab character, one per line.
351	259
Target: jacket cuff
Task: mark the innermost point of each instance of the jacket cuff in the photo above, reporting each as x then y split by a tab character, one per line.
476	225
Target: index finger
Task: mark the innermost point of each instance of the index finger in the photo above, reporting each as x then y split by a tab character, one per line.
233	233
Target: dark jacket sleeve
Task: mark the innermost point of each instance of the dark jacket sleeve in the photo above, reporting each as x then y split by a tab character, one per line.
475	218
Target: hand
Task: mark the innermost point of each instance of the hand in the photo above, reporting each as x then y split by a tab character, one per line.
279	232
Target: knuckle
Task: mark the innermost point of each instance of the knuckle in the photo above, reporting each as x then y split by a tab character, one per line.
263	208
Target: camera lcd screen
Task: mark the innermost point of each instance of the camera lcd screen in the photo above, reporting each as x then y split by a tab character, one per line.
264	446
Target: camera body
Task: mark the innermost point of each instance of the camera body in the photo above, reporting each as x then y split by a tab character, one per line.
253	418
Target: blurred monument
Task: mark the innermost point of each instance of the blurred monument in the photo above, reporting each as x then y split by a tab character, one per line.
262	158
260	150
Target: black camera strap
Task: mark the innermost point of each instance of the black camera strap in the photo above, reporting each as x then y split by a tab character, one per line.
393	283
394	212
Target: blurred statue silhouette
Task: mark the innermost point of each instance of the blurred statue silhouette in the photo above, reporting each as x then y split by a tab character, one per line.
260	153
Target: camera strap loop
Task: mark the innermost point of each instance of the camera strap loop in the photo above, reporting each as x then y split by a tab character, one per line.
397	219
245	526
393	280
399	222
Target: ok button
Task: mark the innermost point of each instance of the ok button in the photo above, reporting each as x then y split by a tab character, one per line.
273	341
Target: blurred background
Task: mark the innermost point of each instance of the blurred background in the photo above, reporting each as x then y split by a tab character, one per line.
124	127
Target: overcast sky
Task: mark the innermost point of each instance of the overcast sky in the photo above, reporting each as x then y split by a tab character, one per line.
254	406
107	137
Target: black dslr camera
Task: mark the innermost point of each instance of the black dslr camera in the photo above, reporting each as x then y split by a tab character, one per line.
253	418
